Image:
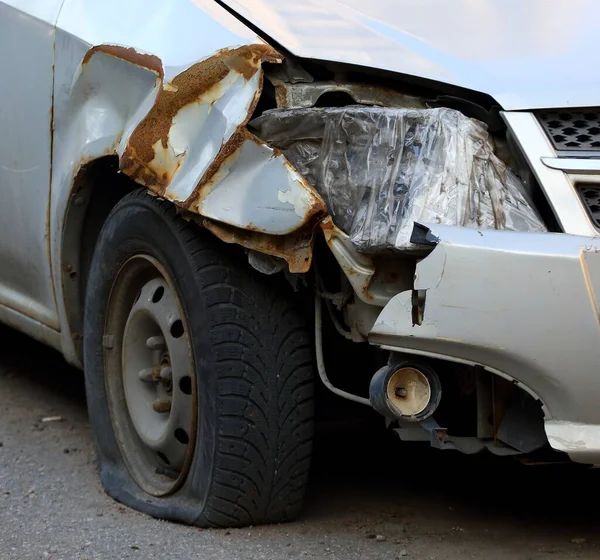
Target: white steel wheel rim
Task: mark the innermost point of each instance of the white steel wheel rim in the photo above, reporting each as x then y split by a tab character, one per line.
150	376
157	374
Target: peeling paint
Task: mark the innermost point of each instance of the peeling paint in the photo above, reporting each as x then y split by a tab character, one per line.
297	201
195	90
188	143
129	54
244	191
166	158
192	146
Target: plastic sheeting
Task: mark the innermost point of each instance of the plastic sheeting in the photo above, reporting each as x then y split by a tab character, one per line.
382	169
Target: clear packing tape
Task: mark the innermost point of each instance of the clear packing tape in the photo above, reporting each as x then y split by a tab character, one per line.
382	169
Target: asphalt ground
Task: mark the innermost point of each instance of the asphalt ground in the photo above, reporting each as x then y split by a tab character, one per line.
370	497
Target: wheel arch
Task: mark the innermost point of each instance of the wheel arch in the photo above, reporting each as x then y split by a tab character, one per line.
97	188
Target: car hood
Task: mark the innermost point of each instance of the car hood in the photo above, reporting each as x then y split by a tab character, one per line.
525	54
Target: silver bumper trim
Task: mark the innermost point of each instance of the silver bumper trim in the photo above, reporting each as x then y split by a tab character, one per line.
573	165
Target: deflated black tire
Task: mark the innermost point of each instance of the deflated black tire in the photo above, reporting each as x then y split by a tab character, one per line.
198	373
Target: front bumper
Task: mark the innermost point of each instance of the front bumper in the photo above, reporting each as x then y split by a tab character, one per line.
522	305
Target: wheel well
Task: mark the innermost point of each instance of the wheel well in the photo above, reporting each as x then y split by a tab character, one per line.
97	188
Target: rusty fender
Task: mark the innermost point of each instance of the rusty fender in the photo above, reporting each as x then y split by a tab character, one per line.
152	157
192	147
295	248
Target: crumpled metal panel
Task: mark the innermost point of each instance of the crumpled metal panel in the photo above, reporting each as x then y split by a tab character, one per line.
187	141
269	194
168	87
296	248
193	148
214	96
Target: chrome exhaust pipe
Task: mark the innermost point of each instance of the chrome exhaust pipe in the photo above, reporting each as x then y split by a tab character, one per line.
409	390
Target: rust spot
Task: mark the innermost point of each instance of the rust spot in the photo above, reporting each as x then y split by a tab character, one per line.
127	53
150	160
328	227
295	95
295	248
277	152
87	159
251	58
186	88
365	290
281	95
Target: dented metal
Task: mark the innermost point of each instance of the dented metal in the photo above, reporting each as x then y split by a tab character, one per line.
193	148
216	95
296	249
170	99
257	189
187	141
374	283
522	305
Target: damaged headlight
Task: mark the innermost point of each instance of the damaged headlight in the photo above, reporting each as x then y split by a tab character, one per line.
382	169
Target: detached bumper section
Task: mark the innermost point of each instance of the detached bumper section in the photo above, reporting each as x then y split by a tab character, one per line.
522	305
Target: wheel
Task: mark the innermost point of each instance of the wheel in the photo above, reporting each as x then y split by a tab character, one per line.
198	372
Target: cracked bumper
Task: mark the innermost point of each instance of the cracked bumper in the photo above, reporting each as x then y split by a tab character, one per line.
522	305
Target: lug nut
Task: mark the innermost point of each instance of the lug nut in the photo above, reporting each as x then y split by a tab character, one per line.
146	375
155	342
161	405
151	374
166	373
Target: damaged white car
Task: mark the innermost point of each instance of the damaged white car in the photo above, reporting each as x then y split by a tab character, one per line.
207	205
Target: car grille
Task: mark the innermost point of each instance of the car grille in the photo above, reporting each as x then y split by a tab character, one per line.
573	130
590	195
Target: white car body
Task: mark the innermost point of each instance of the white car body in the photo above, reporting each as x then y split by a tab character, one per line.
526	55
80	79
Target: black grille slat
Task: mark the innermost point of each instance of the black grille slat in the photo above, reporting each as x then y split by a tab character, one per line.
573	131
590	195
